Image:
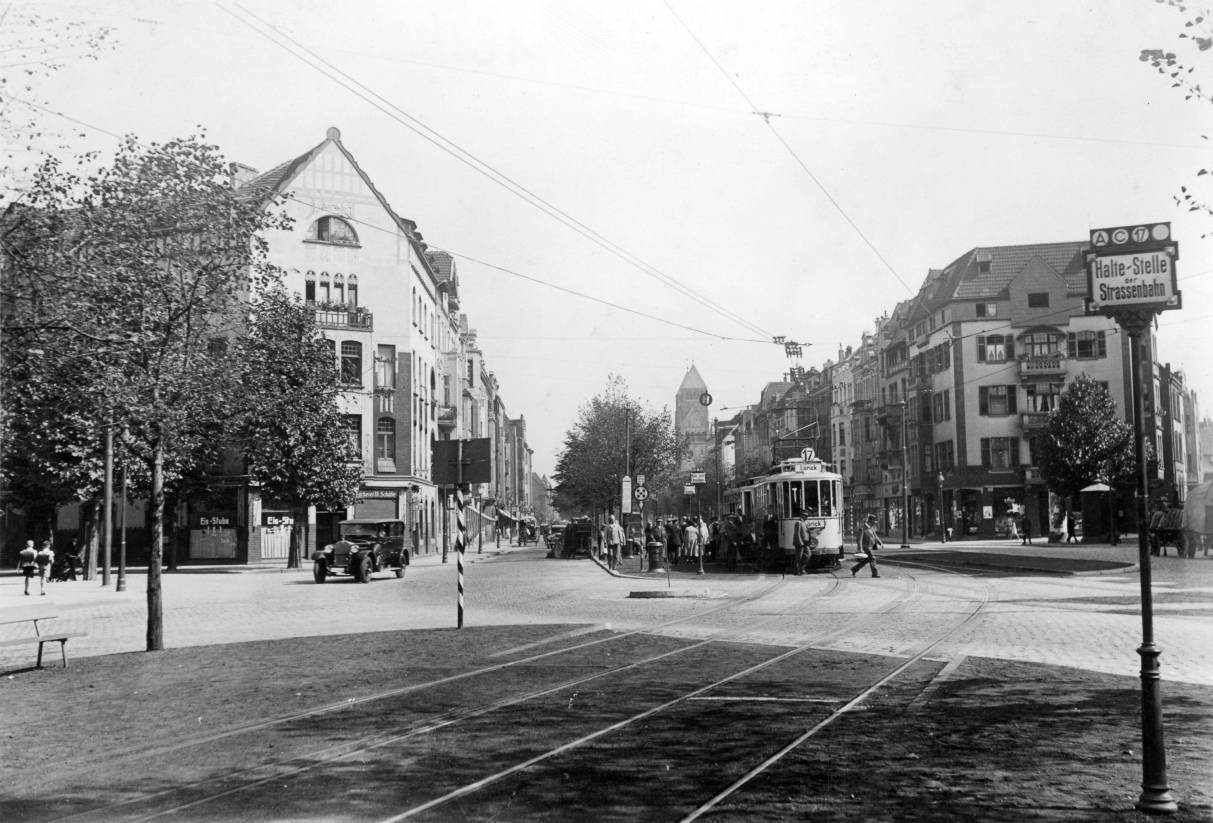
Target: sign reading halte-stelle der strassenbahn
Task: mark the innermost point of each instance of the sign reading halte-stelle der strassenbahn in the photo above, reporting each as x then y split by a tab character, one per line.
1132	268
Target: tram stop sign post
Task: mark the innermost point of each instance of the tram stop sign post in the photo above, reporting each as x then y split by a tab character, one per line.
1131	277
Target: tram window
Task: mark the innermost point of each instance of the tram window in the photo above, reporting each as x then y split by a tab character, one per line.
811	501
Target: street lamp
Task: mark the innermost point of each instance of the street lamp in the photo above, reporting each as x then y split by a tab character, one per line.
905	480
943	526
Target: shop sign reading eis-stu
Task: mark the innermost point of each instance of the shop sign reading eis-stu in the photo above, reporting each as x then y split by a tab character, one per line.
1132	267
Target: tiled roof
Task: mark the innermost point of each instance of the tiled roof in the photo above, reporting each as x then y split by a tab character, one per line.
968	282
443	264
277	180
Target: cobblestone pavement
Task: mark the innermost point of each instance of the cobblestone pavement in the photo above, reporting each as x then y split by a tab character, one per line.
1090	621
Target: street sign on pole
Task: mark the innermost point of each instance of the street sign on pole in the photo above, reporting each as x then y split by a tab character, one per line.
1132	267
699	478
688	489
1131	278
625	496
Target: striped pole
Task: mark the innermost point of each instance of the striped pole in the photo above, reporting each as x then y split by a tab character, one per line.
460	542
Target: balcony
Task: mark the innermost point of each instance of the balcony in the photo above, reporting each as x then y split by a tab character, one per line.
344	317
447	415
1043	365
1033	421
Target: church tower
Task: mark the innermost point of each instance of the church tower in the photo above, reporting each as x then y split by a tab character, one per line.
691	422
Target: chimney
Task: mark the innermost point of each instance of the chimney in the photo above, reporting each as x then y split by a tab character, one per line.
240	174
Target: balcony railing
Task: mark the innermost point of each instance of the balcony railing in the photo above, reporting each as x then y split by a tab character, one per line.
1032	421
447	416
1043	364
345	318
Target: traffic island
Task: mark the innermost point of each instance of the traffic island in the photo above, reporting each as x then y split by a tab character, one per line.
654	593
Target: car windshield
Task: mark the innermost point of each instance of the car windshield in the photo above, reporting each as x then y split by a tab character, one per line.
363	531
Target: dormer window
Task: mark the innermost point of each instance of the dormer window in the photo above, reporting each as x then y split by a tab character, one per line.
333	230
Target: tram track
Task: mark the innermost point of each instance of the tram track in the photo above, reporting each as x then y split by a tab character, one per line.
351	704
227	785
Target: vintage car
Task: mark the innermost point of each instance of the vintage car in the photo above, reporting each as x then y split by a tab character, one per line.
366	546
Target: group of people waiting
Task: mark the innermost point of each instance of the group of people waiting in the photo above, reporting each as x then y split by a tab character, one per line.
684	540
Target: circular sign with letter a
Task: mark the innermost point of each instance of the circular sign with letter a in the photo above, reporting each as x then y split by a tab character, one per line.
705	399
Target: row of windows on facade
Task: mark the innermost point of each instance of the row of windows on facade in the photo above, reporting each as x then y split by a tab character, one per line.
1083	345
997	454
350	376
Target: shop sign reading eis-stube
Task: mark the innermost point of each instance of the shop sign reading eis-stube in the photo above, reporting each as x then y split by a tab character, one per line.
1132	267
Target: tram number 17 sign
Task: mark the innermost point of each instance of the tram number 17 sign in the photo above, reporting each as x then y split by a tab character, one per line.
1132	268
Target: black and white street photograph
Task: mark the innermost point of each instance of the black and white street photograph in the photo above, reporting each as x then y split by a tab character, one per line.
557	410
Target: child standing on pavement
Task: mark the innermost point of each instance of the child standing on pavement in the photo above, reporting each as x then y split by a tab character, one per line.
43	559
27	562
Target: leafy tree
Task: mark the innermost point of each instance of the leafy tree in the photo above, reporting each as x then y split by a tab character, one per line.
612	425
1197	34
125	280
35	45
1086	441
291	433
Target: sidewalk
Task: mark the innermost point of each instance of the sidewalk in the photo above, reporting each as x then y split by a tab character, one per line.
1040	557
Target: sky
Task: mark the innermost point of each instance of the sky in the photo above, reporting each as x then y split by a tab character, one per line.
711	174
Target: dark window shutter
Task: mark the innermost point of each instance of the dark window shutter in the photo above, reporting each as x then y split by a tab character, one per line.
981	350
1010	347
983	400
1012	400
985	452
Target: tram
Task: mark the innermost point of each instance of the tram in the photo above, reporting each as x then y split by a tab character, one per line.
793	485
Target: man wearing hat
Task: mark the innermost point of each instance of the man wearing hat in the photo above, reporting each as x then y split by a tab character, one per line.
868	543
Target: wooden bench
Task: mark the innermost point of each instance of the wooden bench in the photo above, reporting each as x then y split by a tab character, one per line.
34	614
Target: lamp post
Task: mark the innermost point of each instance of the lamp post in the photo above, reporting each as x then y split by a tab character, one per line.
905	480
943	526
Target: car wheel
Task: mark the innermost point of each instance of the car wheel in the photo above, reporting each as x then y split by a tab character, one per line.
363	572
399	572
319	571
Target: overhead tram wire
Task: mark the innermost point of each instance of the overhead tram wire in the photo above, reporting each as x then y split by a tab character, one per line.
766	118
363	92
456	254
469	258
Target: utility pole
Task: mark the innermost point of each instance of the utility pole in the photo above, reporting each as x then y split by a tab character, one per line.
905	478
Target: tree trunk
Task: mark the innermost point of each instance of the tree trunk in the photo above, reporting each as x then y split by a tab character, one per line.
155	610
88	539
294	557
